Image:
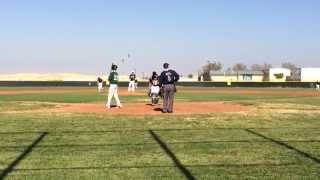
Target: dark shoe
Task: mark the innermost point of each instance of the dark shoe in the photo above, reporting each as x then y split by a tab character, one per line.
170	111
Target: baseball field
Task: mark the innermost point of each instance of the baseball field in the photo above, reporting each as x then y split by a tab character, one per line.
214	133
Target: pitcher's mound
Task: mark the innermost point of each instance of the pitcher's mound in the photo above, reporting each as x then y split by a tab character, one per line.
180	108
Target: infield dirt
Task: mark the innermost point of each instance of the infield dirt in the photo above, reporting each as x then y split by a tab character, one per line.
147	109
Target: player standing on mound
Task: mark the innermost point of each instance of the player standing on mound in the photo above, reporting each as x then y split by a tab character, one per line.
113	89
132	81
167	81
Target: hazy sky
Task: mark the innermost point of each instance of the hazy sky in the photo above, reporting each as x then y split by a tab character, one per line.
86	36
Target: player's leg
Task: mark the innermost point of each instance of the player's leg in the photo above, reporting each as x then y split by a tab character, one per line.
99	87
165	98
117	97
135	85
171	98
110	95
131	84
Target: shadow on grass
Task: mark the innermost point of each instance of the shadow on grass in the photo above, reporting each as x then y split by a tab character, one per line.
283	144
172	156
23	155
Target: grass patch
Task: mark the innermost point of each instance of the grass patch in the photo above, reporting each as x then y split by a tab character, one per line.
212	146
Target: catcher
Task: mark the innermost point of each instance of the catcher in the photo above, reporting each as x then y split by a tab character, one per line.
154	88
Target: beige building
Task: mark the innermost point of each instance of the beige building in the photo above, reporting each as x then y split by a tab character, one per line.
240	76
279	74
310	74
188	78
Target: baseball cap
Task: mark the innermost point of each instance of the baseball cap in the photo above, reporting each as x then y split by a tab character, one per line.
166	65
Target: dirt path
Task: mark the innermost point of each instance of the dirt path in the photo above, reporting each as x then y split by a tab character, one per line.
146	109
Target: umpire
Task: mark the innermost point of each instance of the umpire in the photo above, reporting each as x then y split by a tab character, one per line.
167	81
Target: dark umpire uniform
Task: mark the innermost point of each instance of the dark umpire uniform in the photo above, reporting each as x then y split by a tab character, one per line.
167	81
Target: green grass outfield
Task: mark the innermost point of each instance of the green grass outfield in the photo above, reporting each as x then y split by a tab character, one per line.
280	139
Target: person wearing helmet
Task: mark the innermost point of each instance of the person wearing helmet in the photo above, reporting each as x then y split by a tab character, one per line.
167	81
132	81
100	84
113	88
154	88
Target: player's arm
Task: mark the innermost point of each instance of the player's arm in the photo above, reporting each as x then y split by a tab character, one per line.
176	76
110	78
161	79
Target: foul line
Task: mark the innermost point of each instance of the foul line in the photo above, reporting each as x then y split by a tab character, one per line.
154	166
138	130
304	154
153	143
25	153
176	161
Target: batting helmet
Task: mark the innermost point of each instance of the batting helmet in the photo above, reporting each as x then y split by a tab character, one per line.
114	67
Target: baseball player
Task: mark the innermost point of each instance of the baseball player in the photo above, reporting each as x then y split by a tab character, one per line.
154	88
154	79
167	81
132	82
113	89
100	84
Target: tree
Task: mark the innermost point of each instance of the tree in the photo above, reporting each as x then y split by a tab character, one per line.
295	70
262	67
229	69
207	68
239	67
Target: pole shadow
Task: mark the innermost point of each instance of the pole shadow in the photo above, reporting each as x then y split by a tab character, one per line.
22	156
283	144
172	156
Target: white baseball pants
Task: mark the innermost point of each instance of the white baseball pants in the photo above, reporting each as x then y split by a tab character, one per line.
113	92
132	86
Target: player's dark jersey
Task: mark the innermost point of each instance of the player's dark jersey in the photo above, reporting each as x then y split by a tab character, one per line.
132	77
113	78
154	80
168	77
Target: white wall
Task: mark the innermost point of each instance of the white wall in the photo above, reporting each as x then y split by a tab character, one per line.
310	74
272	78
235	78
